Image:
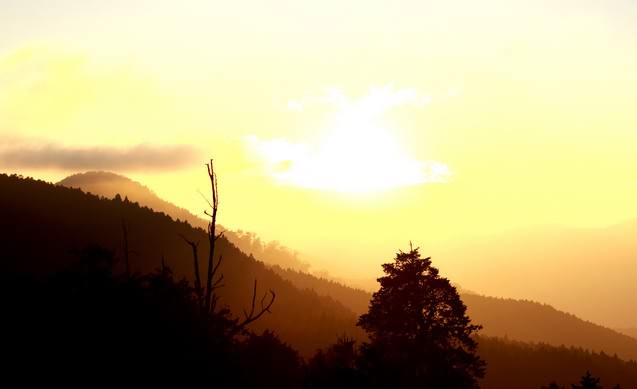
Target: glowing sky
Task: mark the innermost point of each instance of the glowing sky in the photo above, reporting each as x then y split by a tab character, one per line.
341	128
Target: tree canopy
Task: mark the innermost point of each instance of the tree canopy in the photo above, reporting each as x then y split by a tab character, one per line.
420	335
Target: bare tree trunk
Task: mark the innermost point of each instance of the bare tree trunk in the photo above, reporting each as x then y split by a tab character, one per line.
208	302
212	238
195	255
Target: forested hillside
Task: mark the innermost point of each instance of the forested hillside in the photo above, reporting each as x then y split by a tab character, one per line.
109	185
519	365
516	319
44	227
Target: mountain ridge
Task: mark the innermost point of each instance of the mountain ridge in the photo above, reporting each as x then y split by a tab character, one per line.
43	226
516	319
109	184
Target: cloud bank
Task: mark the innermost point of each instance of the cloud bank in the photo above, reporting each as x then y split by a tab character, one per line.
138	157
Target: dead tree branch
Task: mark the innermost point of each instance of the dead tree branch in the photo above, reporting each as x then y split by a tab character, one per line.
251	316
212	235
195	256
209	301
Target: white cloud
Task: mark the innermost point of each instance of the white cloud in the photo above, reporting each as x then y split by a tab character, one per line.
356	152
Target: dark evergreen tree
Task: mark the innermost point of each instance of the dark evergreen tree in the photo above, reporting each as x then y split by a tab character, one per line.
588	382
335	368
420	335
268	363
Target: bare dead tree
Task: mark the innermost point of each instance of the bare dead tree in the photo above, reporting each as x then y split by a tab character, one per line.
195	256
249	317
212	236
213	280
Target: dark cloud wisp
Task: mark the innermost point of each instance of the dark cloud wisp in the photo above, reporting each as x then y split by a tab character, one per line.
139	157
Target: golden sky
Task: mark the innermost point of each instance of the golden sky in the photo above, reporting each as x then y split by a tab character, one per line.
343	129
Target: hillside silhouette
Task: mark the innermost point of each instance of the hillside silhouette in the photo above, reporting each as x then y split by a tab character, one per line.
519	365
46	228
588	272
529	321
515	319
632	332
108	184
90	323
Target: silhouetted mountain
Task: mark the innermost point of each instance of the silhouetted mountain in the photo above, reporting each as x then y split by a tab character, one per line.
529	321
588	272
43	227
632	332
519	365
107	184
355	299
518	320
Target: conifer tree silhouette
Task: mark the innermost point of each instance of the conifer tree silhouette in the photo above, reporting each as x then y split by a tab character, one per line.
588	381
420	335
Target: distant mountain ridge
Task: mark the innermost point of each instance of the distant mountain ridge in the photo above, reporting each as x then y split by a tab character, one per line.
109	184
632	332
589	272
532	322
519	320
43	226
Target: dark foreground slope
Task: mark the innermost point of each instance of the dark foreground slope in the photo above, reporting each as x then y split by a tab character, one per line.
520	365
43	228
516	319
109	185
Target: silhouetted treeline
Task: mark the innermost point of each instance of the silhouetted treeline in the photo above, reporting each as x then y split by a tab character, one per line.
512	364
42	226
509	365
632	332
110	185
69	309
355	299
530	321
272	253
517	319
87	325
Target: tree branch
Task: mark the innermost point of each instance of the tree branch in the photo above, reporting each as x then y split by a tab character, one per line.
265	307
211	235
195	256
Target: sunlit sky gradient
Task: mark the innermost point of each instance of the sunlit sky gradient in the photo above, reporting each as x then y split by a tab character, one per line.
493	115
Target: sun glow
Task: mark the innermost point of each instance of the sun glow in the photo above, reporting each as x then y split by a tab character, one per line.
357	153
